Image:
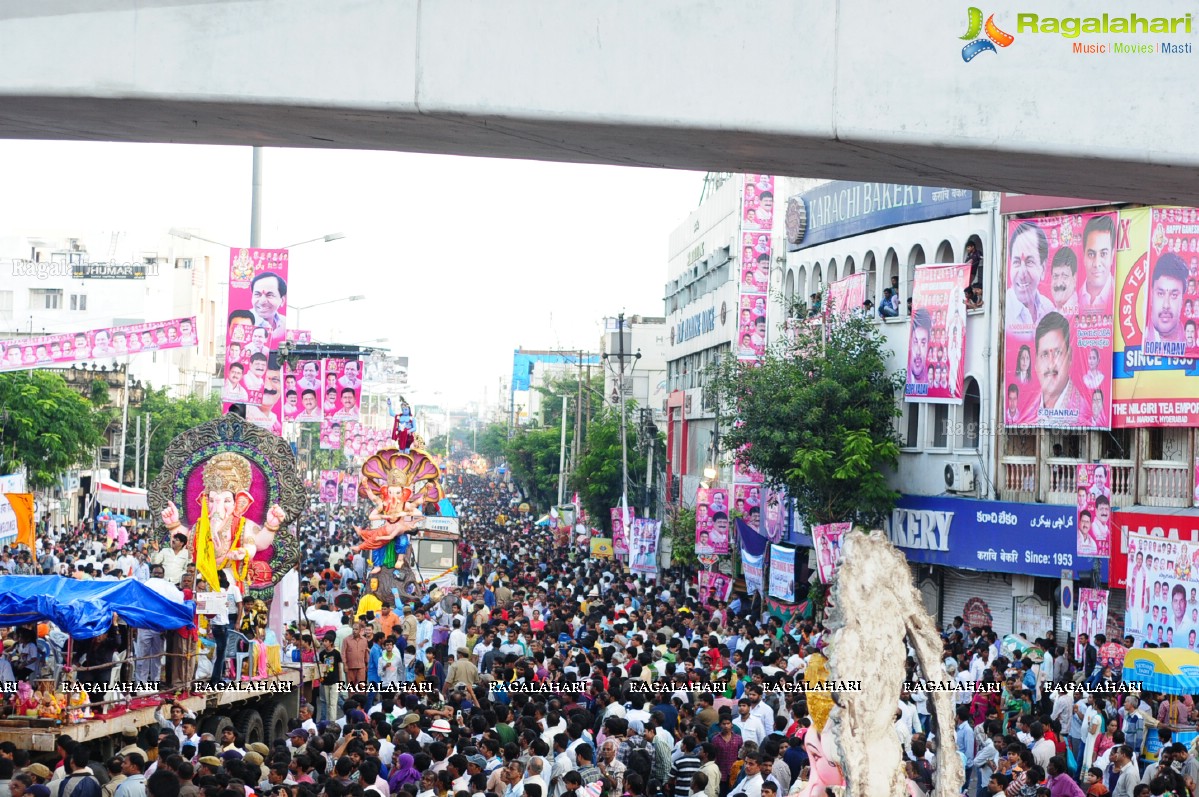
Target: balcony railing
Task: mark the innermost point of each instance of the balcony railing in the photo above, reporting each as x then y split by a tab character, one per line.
1165	483
1019	478
1062	473
1122	476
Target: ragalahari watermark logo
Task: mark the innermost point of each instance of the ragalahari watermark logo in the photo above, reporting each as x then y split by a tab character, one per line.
994	37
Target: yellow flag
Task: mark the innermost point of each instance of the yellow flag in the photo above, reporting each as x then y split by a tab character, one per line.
205	552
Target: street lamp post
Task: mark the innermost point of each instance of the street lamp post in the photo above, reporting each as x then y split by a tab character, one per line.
624	444
295	309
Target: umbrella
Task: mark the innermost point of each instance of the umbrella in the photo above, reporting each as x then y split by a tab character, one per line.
1015	644
1111	654
1171	671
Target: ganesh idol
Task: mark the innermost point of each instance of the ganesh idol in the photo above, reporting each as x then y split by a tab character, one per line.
398	484
223	538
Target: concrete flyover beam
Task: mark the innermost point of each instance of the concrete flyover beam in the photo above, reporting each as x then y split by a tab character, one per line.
856	89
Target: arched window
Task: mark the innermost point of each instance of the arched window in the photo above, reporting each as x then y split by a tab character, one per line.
971	414
849	267
817	279
976	273
945	253
915	258
801	283
831	274
789	287
891	277
869	266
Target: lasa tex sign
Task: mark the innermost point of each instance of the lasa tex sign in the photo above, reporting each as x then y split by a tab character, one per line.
992	536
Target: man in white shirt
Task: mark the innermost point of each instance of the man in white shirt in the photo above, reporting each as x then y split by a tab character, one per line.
751	784
750	725
174	560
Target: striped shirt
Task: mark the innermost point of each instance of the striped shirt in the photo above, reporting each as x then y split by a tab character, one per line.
681	774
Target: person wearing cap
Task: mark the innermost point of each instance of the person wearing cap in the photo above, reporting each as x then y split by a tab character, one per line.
208	765
297	742
129	737
462	670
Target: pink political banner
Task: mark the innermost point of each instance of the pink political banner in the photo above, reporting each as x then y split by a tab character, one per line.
330	483
620	537
330	435
755	262
751	327
1059	325
1092	616
743	472
828	540
255	326
937	335
747	497
714	587
299	336
64	348
343	385
349	489
306	382
845	295
757	202
1093	521
1171	308
774	515
711	521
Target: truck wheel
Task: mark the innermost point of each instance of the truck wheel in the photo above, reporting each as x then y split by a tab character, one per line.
214	724
276	726
249	725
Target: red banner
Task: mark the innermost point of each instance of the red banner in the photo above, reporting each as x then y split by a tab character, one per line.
1174	527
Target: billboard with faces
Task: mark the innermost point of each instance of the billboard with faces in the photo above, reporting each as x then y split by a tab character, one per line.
106	342
937	335
343	389
1059	322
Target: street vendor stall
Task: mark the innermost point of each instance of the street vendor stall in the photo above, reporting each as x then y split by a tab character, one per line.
1171	672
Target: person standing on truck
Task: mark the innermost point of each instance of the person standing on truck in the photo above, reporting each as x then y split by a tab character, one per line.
219	626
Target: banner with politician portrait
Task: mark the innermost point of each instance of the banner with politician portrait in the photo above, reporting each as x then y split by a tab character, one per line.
1094	519
711	521
330	435
845	295
1162	601
307	384
751	327
1059	326
643	546
620	537
937	335
1091	618
95	344
782	573
349	489
827	541
1156	365
330	483
343	389
714	587
757	203
755	262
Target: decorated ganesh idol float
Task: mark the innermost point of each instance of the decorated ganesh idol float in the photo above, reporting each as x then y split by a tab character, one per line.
404	487
234	490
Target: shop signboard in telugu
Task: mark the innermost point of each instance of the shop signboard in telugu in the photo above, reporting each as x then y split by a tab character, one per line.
841	208
991	536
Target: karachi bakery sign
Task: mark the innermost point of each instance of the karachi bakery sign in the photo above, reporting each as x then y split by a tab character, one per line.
1101	34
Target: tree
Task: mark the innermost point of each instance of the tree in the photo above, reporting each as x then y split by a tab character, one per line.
168	417
533	460
680	527
597	476
493	441
46	426
818	417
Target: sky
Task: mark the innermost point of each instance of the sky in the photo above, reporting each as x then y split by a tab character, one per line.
462	259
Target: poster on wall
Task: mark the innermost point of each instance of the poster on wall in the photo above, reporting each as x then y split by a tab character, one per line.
308	383
751	327
1059	321
711	521
330	435
1094	518
757	204
343	389
714	587
1091	618
827	541
329	486
937	335
782	573
103	343
1156	365
1162	605
349	489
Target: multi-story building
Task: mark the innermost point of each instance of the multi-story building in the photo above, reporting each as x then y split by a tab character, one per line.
645	375
62	283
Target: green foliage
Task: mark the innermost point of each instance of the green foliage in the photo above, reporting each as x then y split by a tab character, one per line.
551	398
680	526
493	442
597	476
47	427
818	417
318	458
168	417
533	460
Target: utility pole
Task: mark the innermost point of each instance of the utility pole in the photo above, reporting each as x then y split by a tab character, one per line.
137	455
146	455
124	423
624	443
562	455
256	199
574	460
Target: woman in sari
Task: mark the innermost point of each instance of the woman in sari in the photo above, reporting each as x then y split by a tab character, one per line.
1092	728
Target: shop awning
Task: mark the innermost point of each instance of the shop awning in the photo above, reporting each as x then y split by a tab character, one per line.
1171	671
118	496
85	609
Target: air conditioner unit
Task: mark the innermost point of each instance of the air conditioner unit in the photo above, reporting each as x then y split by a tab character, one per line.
959	477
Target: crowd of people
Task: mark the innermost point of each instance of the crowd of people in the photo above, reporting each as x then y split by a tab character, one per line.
547	673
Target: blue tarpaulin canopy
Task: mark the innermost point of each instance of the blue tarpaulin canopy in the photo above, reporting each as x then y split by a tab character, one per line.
84	609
